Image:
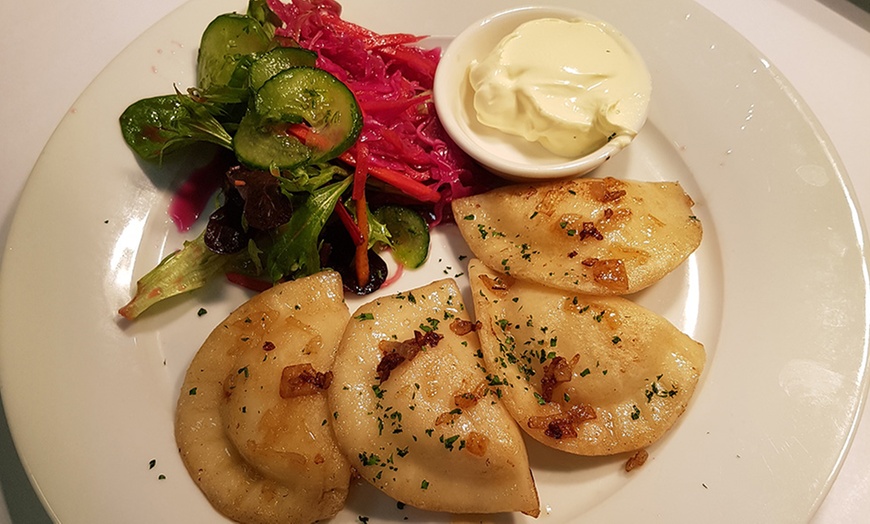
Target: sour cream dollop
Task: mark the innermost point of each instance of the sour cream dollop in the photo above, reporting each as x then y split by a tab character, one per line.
571	85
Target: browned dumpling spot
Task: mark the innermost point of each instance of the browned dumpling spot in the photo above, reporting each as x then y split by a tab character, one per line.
591	236
414	412
252	422
583	374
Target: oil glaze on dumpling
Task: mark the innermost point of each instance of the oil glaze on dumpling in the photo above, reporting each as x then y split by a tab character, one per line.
591	236
252	418
414	413
583	374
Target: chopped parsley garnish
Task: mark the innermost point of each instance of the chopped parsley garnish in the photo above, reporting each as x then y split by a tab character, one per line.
433	325
369	460
448	442
494	380
655	391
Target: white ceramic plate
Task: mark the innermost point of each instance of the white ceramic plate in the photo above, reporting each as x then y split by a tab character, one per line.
777	292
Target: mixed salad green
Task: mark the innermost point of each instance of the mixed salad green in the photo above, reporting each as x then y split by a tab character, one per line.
334	151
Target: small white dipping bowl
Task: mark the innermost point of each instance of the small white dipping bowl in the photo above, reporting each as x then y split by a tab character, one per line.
509	156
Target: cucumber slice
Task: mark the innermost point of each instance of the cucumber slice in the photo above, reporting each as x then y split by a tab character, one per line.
264	145
225	41
273	62
409	234
260	11
317	98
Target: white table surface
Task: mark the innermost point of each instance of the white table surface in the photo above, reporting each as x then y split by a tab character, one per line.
50	52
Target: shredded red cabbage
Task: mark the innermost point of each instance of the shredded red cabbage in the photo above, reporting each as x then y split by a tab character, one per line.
392	81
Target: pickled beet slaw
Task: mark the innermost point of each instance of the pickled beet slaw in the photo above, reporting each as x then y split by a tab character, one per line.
392	80
402	155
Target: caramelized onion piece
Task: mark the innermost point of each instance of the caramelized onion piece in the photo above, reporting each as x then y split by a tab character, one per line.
465	400
463	327
300	380
563	425
637	460
394	353
589	230
447	418
606	190
559	370
611	274
476	443
498	285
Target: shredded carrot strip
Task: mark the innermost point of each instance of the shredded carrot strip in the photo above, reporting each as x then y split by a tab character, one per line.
361	259
359	195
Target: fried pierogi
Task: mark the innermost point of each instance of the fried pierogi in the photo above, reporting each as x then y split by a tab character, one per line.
584	374
590	236
414	413
252	423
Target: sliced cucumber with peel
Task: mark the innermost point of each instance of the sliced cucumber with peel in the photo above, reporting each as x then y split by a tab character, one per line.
273	62
409	234
264	145
304	96
228	39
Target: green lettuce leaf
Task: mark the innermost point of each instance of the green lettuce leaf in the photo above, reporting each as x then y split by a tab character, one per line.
184	270
296	249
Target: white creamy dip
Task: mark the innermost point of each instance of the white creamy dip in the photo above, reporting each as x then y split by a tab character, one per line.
571	85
